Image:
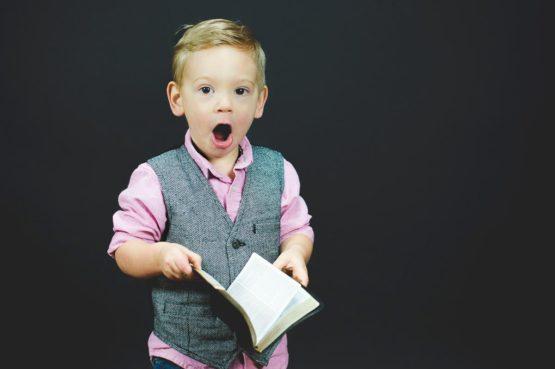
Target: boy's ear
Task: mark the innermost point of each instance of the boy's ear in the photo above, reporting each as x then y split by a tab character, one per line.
175	99
262	97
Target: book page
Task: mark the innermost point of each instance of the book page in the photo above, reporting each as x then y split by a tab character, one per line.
299	298
302	304
263	291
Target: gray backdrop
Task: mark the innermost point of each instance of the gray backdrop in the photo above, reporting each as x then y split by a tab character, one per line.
415	127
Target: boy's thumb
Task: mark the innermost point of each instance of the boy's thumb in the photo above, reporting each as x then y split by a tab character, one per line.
280	263
194	259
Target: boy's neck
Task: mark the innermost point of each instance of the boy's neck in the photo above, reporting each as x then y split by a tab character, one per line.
222	165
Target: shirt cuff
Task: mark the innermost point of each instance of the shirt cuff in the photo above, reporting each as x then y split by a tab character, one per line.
119	239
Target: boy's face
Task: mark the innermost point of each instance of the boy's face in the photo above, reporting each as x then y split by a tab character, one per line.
219	97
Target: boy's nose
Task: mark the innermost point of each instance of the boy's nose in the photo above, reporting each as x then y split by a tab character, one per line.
224	103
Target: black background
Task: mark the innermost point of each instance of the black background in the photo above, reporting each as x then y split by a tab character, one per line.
415	127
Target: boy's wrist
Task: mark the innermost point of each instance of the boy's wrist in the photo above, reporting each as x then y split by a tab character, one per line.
159	255
296	250
300	244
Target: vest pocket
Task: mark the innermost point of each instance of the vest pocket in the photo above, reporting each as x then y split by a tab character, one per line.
266	239
267	227
192	229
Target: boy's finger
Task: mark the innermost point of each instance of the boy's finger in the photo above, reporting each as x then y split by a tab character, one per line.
173	275
184	267
174	267
195	259
280	263
300	274
301	277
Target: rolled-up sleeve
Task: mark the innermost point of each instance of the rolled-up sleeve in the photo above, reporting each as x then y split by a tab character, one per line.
295	218
142	213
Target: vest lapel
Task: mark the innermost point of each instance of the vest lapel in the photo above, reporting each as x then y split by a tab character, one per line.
188	162
191	167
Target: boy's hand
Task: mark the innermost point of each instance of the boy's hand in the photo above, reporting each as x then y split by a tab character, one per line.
292	263
175	261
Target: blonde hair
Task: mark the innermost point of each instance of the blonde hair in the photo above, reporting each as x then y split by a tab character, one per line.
217	32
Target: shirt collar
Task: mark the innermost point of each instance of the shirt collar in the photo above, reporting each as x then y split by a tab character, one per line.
244	160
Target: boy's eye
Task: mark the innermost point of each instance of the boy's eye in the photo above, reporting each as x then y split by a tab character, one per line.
240	91
205	90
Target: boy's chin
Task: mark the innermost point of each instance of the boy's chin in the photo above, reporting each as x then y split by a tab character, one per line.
222	153
215	152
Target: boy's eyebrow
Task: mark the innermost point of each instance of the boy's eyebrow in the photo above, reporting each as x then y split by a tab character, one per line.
206	78
239	80
246	80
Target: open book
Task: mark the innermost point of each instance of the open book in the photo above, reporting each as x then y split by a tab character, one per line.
269	300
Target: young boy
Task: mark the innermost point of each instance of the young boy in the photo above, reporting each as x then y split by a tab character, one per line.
211	203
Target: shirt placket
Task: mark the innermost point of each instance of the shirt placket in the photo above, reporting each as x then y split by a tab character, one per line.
233	196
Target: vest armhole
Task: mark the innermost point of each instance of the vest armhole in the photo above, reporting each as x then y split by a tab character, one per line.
156	165
274	155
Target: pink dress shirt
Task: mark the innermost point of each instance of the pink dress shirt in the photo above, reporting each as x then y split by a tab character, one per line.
143	216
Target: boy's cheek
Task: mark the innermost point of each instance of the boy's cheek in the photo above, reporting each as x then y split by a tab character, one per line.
242	125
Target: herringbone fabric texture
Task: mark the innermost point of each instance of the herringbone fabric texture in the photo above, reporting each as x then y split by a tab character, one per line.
184	317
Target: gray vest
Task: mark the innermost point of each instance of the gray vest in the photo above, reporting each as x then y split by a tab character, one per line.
184	316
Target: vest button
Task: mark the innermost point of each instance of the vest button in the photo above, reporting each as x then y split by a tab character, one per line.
237	243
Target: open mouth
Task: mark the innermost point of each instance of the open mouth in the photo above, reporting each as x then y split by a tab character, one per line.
222	131
221	136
